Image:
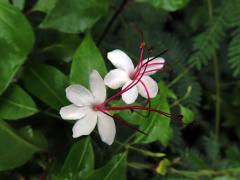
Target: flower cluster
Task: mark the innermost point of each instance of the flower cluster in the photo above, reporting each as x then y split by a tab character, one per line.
91	108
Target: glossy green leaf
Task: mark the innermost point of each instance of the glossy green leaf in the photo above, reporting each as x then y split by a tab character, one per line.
19	3
79	162
75	16
168	5
44	5
157	126
15	150
86	58
15	103
47	83
114	169
63	48
188	115
15	42
33	136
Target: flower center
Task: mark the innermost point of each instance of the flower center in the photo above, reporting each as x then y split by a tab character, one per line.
95	107
133	75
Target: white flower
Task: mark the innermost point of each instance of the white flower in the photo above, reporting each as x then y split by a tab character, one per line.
84	109
124	75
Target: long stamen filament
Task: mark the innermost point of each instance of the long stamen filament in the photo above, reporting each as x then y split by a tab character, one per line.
135	107
131	85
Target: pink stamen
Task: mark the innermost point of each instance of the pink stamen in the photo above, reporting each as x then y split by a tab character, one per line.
135	107
145	87
129	86
141	69
155	63
153	70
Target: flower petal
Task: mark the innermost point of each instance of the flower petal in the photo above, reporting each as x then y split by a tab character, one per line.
121	60
154	65
97	86
79	95
116	78
72	112
106	128
85	125
150	84
130	95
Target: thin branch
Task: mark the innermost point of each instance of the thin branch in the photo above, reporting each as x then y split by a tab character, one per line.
110	23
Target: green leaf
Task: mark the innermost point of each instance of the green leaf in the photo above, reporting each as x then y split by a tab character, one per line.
79	162
15	150
33	136
234	53
19	4
15	42
63	48
47	83
168	5
206	43
4	1
15	103
114	169
188	115
157	126
75	16
86	58
163	166
44	5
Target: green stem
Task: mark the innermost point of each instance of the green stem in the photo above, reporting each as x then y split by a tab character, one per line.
217	82
207	172
186	95
139	166
180	76
142	151
218	97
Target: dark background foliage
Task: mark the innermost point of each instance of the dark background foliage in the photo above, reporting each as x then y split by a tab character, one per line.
47	45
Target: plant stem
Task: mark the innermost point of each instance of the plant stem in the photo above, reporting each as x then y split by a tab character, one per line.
217	82
110	23
139	166
207	172
180	76
142	151
186	95
218	99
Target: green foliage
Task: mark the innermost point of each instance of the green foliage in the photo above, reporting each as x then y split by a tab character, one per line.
234	53
169	5
40	78
19	4
45	5
188	115
15	43
86	58
15	150
115	168
15	103
157	126
79	162
163	166
208	42
77	16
